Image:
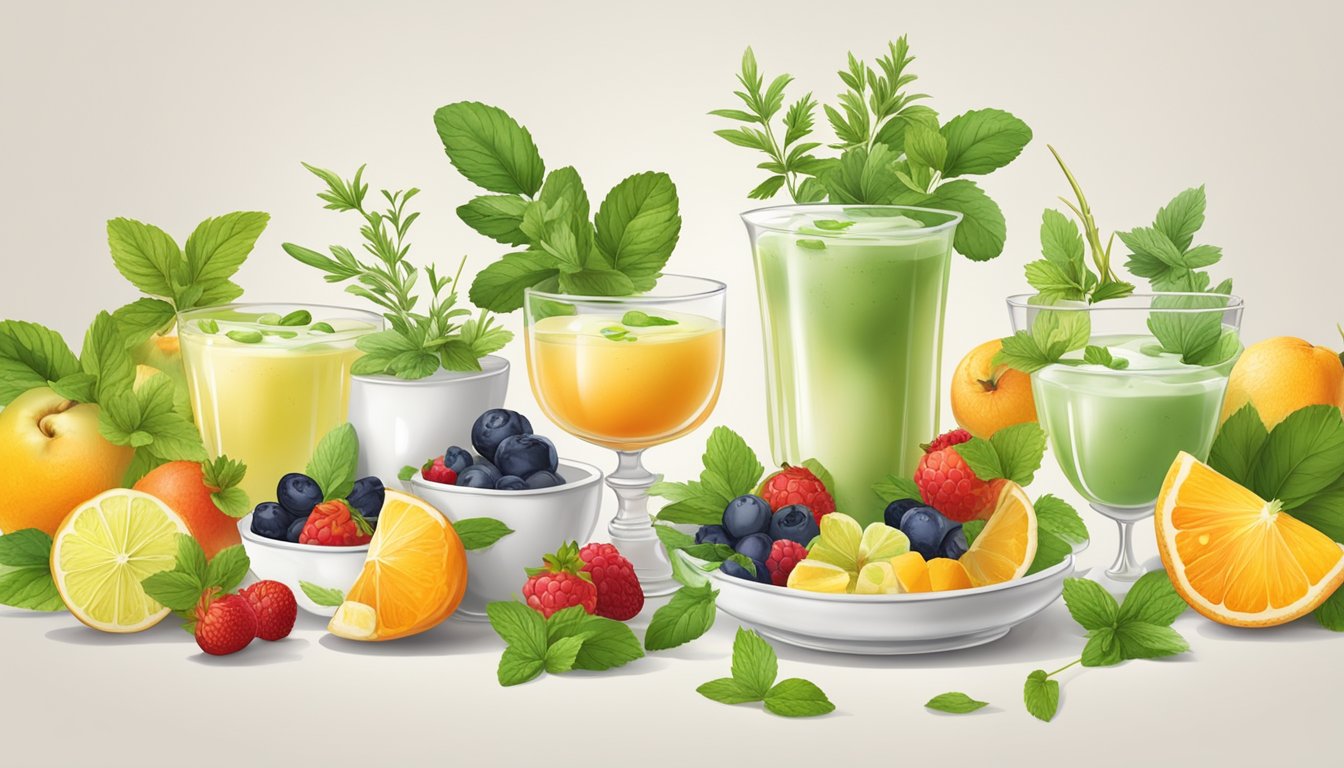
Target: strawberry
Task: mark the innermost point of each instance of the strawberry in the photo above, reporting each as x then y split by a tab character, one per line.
560	583
224	625
437	472
619	595
784	555
274	605
948	484
333	524
797	485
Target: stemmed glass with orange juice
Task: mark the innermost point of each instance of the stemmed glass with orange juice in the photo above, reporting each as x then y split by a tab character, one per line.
628	373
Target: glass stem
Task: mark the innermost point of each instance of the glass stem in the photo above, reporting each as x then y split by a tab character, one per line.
631	530
1125	567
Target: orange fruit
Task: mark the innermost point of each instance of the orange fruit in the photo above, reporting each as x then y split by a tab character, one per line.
1281	375
413	577
1236	558
946	573
986	397
1007	545
181	485
911	572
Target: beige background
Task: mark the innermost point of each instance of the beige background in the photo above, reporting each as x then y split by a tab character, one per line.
171	112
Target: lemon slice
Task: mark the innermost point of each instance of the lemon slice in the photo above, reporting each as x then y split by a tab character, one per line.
882	542
877	579
818	576
102	552
840	541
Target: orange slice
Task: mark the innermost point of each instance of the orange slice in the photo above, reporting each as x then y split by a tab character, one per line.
1007	545
911	572
946	574
413	578
1237	558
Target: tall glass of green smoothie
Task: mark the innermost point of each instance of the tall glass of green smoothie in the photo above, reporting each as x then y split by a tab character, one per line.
1147	384
852	300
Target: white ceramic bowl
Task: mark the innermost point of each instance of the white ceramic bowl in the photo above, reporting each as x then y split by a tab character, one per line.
925	622
542	520
289	563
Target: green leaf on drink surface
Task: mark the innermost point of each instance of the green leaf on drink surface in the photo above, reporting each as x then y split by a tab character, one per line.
208	326
954	702
25	571
332	466
1041	695
686	617
1094	355
245	337
297	317
831	225
636	319
323	596
478	532
811	244
615	333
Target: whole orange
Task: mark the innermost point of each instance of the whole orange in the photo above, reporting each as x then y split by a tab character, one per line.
1281	375
181	485
986	397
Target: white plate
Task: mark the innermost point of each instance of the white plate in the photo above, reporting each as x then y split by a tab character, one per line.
926	622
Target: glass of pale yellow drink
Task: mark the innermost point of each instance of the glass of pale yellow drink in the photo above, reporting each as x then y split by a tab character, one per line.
628	373
267	381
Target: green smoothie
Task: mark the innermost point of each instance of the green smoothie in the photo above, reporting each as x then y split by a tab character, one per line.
852	308
1116	432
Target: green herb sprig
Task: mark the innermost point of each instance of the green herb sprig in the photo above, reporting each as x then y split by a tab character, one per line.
419	343
892	148
754	670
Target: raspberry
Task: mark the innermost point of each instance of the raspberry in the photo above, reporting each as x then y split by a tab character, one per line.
560	583
437	472
224	625
619	595
784	555
797	485
332	524
275	607
948	484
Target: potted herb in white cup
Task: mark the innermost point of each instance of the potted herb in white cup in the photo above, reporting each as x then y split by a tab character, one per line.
420	384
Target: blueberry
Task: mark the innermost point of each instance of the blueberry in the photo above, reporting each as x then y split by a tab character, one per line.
478	476
481	461
544	479
795	523
927	528
367	497
493	426
457	459
756	546
298	493
746	515
271	520
523	455
713	534
510	483
954	544
897	509
296	528
733	569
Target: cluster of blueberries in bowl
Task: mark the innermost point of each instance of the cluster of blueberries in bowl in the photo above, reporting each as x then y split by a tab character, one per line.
754	531
509	457
298	494
931	534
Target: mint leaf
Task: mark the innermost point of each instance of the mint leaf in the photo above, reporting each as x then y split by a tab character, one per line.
227	569
1152	600
863	176
972	528
517	666
982	141
821	473
980	455
499	287
955	703
925	147
1051	550
1041	695
1020	449
519	626
1192	335
982	231
191	558
671	538
333	463
490	148
478	532
1180	219
637	227
77	386
323	596
560	654
145	255
498	217
30	356
1089	604
726	690
1094	355
598	282
606	643
224	475
636	319
25	571
1102	649
1302	456
143	318
1141	640
894	488
731	467
175	590
754	663
1331	613
1056	516
215	251
795	697
1325	510
686	617
1236	449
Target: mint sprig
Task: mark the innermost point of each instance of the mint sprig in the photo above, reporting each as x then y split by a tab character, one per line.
754	670
731	469
570	639
1012	453
193	578
892	149
25	571
224	475
333	463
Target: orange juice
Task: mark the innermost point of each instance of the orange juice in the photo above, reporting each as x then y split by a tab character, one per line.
624	387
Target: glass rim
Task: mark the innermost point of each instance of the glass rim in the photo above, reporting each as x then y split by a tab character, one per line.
713	288
185	328
755	218
1231	302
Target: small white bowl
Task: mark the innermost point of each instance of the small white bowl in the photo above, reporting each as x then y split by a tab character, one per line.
923	622
542	520
290	563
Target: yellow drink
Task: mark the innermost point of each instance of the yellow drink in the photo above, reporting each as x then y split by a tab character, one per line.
267	401
631	390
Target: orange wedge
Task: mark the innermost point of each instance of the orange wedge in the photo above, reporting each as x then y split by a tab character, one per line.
1237	558
912	573
414	575
946	573
1007	545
